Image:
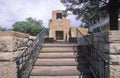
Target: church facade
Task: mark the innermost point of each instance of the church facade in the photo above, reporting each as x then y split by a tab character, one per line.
59	27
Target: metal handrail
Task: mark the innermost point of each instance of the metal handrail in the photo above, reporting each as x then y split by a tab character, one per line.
27	59
96	50
88	43
84	38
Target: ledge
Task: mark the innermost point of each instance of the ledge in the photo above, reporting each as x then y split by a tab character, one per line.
113	35
13	34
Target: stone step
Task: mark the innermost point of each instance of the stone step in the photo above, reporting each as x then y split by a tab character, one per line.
60	62
56	62
57	45
57	55
85	76
55	51
55	71
58	49
54	76
61	53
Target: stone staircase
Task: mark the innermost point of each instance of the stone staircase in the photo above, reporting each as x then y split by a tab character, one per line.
61	61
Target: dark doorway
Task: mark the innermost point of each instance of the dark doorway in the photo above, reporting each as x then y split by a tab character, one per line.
59	35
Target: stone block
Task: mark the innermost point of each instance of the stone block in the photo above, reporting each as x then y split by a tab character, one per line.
112	48
109	48
11	44
115	48
5	56
113	59
7	44
8	70
32	37
114	71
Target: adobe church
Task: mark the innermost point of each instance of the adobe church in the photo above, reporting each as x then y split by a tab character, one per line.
60	29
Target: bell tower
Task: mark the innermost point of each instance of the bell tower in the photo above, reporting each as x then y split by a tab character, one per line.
59	26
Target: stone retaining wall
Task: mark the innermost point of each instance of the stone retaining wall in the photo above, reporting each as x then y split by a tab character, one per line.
104	53
108	44
12	45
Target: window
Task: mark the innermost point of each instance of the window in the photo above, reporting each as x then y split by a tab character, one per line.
59	16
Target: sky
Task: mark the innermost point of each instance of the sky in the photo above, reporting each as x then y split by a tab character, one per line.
12	11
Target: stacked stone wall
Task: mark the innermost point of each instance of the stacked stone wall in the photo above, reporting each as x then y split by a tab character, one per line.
104	53
12	45
108	43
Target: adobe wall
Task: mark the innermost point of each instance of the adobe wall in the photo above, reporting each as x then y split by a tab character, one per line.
12	45
59	25
73	31
54	26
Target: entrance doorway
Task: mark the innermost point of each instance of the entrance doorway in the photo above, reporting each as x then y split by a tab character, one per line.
59	35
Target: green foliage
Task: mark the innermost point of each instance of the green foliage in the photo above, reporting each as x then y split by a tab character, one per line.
83	25
86	9
30	26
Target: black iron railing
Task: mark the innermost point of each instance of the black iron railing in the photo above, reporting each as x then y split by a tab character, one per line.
27	59
97	61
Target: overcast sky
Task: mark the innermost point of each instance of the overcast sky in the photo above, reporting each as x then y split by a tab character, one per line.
12	11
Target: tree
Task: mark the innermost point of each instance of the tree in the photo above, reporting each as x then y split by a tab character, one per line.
30	26
85	8
83	25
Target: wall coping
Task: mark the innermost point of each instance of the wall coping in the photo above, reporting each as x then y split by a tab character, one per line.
110	35
13	34
109	32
